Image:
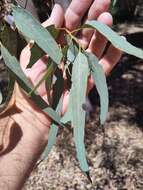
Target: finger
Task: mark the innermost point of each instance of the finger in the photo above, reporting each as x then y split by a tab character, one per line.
108	62
110	59
97	8
75	13
98	41
56	18
65	102
36	73
25	57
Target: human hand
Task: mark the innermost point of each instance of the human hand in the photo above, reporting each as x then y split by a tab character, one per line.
92	41
30	123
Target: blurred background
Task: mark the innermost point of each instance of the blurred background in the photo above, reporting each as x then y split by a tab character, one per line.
115	157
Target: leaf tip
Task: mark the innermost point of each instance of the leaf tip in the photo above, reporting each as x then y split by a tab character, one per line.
88	176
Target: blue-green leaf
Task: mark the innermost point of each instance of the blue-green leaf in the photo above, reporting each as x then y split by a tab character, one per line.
57	104
52	134
36	54
10	86
101	85
51	140
36	51
52	66
14	66
72	52
80	74
118	41
32	29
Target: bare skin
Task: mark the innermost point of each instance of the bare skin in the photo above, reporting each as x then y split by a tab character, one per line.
31	124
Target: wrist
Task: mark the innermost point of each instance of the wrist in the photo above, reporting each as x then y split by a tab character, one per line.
27	141
22	111
31	116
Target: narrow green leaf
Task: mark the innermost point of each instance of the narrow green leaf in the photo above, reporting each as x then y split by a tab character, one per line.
80	74
72	53
101	85
52	134
48	84
64	51
118	41
8	38
72	50
67	118
32	29
53	31
14	66
49	71
58	88
58	102
36	54
51	140
11	83
36	51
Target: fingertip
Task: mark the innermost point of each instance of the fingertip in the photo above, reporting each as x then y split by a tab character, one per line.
106	18
98	41
56	18
111	58
25	56
65	102
75	12
57	15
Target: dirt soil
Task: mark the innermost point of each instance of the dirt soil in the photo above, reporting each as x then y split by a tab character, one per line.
116	155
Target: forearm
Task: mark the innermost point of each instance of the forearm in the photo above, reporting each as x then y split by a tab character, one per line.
16	165
28	139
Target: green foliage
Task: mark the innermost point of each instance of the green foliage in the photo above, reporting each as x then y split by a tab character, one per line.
78	97
78	66
36	51
100	83
52	133
57	105
46	77
13	65
32	29
118	41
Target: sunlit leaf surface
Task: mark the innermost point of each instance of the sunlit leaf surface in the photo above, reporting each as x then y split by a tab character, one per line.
32	29
101	85
80	74
118	41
